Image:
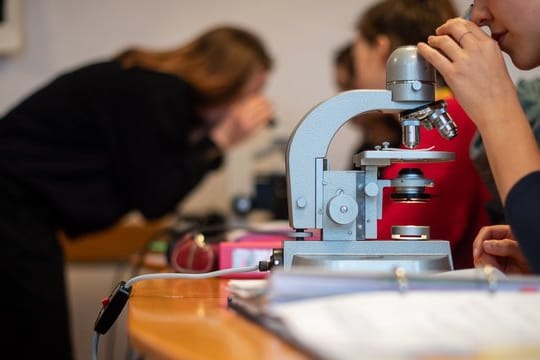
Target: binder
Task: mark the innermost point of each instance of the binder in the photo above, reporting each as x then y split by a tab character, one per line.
464	314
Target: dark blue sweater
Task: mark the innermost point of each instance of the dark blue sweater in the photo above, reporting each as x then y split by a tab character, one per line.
523	215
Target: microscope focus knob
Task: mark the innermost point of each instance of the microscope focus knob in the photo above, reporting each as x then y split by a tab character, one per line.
342	209
371	189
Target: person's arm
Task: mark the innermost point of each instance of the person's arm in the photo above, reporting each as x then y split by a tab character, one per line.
495	245
474	68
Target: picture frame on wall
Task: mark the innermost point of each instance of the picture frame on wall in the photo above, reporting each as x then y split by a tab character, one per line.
11	32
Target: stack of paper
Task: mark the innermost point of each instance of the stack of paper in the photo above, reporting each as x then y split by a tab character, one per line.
458	315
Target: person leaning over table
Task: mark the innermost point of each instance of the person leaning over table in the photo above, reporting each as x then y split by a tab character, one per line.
135	132
472	64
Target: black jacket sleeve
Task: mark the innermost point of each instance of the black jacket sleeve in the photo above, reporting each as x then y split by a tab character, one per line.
523	216
100	141
155	159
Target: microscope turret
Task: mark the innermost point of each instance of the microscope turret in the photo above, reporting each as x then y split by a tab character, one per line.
409	77
345	205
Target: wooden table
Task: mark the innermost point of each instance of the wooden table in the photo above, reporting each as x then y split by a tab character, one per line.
189	319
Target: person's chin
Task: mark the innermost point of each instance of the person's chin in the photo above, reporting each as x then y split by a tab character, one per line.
522	61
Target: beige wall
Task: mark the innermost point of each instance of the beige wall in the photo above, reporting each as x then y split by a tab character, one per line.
302	34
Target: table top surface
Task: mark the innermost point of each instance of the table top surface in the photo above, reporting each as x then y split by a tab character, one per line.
189	319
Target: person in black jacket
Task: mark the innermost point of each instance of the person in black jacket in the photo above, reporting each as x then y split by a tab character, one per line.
135	132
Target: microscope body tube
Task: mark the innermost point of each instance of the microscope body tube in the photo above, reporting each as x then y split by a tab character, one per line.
410	84
310	141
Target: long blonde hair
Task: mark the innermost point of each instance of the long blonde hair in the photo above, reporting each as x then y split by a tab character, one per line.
217	63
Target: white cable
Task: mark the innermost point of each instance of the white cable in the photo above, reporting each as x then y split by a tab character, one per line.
133	280
95	345
205	275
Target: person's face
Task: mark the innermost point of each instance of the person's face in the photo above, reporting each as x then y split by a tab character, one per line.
369	65
515	25
253	86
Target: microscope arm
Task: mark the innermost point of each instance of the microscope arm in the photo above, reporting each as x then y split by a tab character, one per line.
308	146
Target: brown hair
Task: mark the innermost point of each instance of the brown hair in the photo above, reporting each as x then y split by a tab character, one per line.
344	59
217	63
405	22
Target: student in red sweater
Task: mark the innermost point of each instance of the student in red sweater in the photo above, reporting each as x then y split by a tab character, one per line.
457	209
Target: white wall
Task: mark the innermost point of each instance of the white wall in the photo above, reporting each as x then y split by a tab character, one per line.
302	35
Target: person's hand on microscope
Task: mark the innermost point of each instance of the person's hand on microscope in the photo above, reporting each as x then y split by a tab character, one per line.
495	245
472	64
243	119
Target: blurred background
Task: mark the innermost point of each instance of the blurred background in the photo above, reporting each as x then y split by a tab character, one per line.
56	35
41	38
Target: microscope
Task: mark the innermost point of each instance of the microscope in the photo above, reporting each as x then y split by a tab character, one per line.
345	205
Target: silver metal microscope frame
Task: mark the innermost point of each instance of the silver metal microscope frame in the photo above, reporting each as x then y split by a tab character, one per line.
346	205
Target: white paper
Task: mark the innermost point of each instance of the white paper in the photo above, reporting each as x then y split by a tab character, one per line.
247	288
417	325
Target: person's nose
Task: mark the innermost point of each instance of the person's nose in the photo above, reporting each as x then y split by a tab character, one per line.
480	13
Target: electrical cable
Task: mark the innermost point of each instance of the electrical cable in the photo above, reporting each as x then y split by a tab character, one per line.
185	225
119	271
113	305
178	231
215	234
206	275
95	345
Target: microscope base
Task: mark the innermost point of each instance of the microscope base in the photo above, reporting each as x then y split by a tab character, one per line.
414	256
